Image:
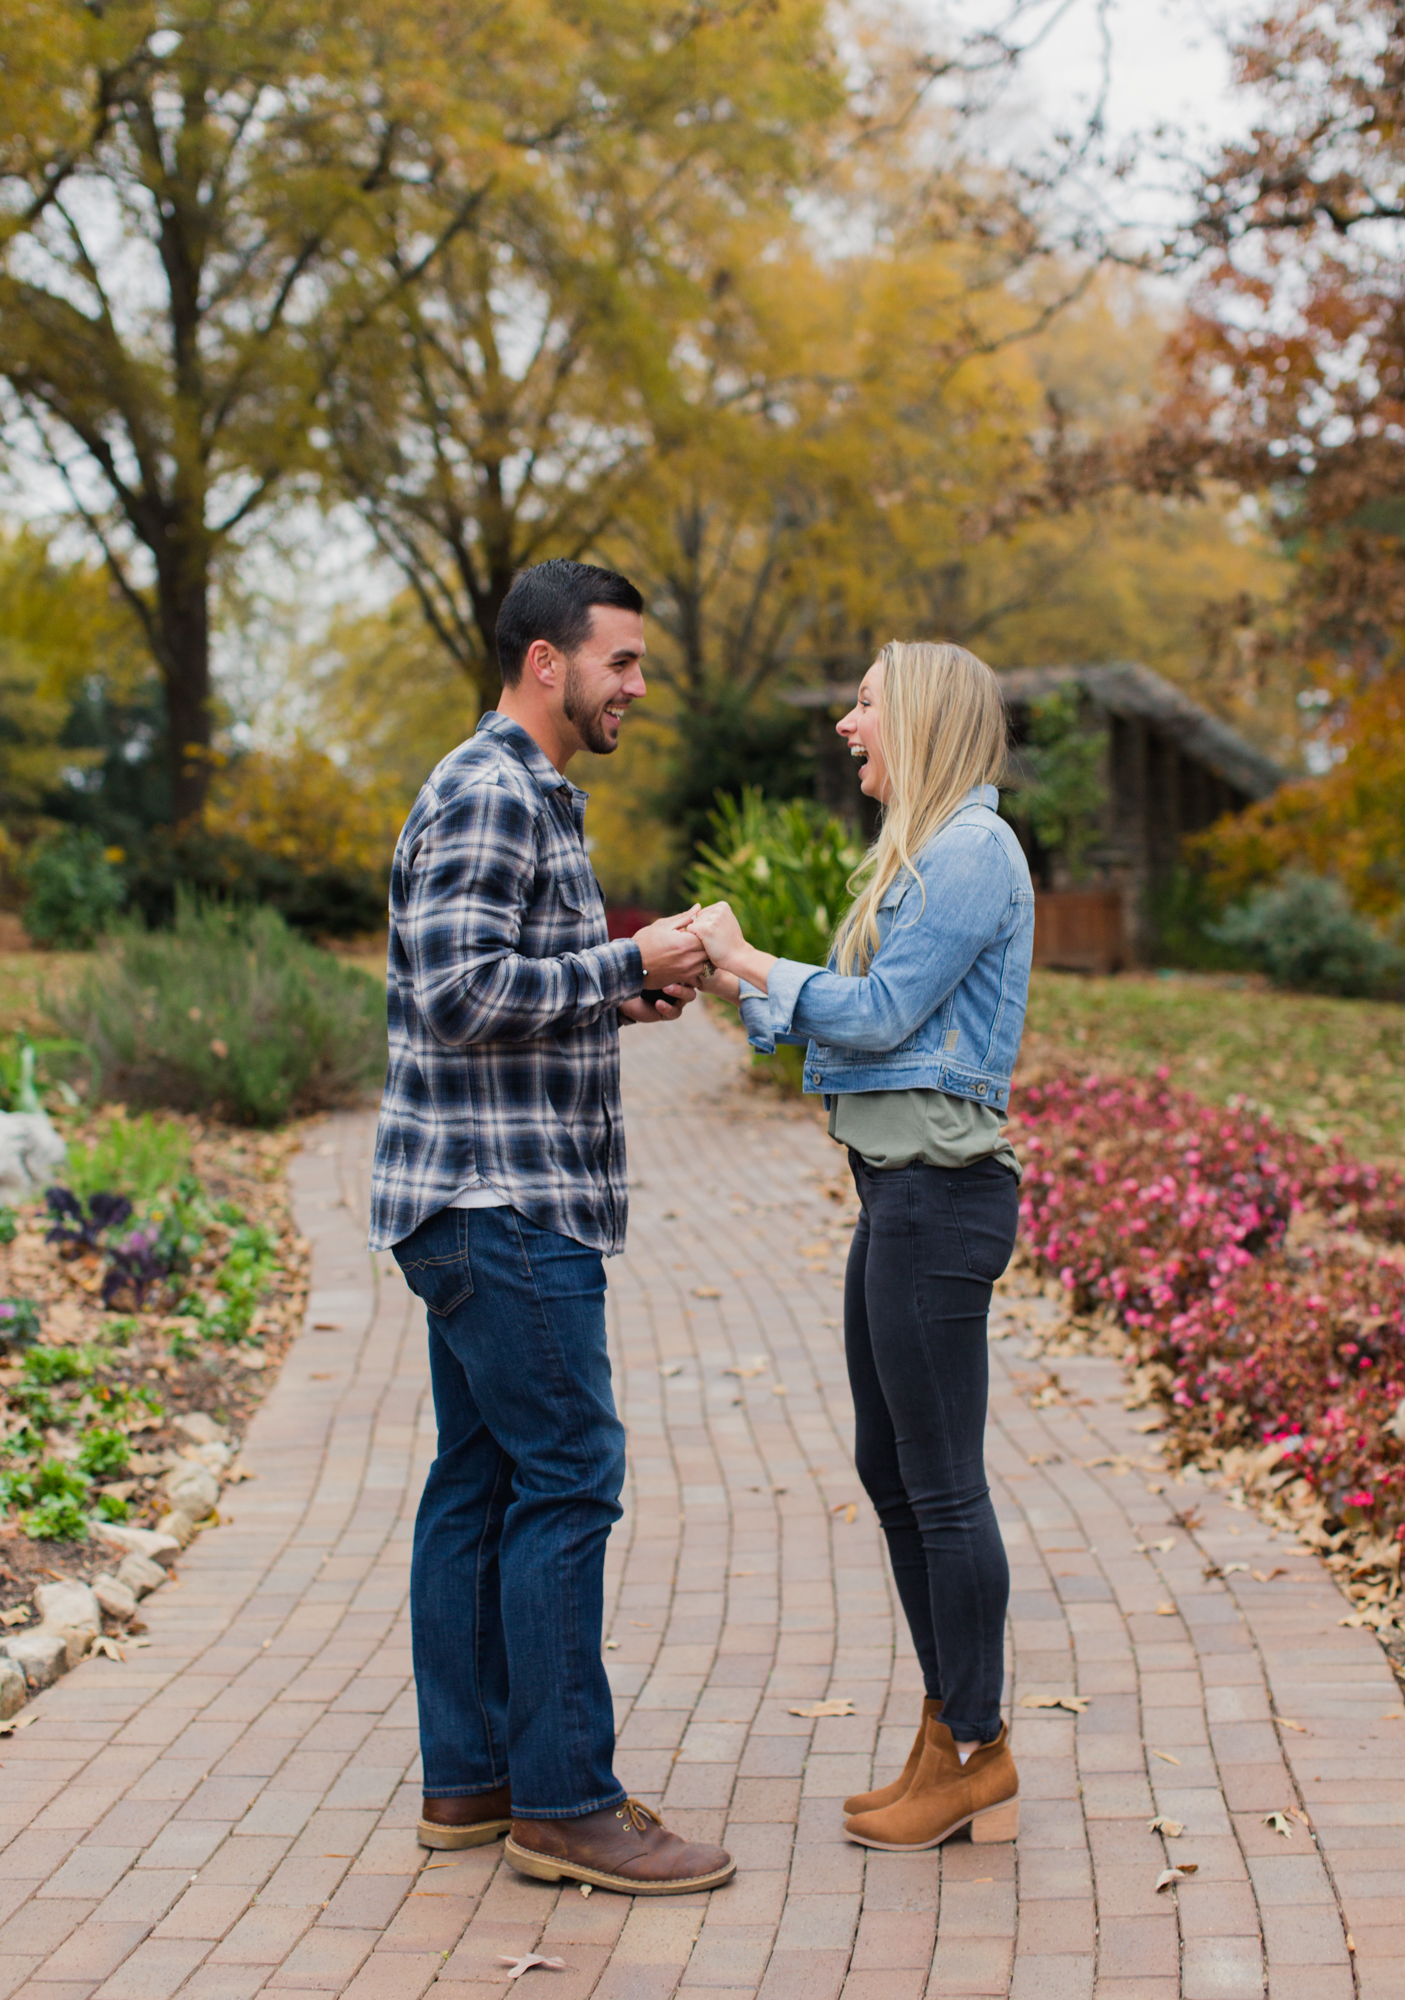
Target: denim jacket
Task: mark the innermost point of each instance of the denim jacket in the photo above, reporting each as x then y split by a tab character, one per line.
943	1002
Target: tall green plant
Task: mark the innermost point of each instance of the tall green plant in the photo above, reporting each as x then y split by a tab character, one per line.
784	868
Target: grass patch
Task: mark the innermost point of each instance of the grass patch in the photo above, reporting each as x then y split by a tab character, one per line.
1320	1066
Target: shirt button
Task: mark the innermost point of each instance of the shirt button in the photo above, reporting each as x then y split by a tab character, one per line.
980	1090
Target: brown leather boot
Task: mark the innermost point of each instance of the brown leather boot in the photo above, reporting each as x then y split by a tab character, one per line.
865	1802
945	1794
471	1820
620	1847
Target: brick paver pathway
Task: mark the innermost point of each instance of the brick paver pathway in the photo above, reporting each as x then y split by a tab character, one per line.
233	1807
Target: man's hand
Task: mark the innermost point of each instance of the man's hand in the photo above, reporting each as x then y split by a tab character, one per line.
660	1010
669	952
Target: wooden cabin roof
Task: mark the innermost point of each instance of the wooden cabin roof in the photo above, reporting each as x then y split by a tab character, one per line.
1124	689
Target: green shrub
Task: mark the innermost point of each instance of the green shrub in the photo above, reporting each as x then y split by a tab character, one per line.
137	1157
228	1013
9	1225
74	889
1303	932
168	866
784	868
110	1508
104	1453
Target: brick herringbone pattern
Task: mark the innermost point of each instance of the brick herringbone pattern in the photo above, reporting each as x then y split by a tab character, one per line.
232	1808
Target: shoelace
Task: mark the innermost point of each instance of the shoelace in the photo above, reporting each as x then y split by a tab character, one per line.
639	1816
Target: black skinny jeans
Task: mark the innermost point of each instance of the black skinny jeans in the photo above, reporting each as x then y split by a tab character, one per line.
928	1246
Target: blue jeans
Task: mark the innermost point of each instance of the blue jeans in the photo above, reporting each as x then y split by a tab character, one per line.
928	1246
507	1576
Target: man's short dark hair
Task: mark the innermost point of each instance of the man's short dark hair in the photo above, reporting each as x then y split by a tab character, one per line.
553	602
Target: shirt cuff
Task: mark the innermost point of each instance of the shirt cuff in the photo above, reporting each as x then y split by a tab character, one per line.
620	966
784	983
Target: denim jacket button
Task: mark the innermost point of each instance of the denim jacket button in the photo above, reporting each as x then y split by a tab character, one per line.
980	1090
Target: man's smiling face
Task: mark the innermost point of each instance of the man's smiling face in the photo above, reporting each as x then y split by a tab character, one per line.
603	677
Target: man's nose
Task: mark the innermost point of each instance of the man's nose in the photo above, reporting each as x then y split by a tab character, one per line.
634	683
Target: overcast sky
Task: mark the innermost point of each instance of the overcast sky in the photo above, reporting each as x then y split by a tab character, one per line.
1166	60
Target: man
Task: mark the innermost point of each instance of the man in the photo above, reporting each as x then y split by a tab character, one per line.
499	1182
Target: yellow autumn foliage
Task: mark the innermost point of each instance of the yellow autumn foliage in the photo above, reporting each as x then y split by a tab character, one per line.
299	804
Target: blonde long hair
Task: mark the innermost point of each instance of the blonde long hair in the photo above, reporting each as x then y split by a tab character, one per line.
944	730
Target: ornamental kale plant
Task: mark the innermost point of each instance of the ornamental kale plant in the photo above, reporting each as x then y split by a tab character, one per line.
73	1231
1260	1268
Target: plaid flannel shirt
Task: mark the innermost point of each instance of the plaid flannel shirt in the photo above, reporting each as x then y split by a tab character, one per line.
501	990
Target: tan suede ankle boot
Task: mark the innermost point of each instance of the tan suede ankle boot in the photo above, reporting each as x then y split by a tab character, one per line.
945	1794
866	1802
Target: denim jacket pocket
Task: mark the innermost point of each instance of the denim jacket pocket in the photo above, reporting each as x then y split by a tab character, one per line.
435	1262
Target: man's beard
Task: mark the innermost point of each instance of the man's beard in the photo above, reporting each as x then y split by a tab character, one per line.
591	726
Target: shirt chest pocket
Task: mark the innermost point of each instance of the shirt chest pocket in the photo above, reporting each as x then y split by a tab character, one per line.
578	894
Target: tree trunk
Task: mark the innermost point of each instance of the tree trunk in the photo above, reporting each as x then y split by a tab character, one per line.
183	613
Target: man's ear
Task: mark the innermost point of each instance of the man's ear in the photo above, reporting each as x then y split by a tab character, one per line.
542	663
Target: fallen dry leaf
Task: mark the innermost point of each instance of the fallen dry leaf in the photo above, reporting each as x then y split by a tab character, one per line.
1166	1757
517	1966
586	1887
1172	1828
1230	1568
1176	1874
15	1617
1266	1575
848	1509
1279	1822
746	1572
1045	1458
699	1292
1351	1943
1074	1703
779	1389
612	1645
757	1368
1165	1610
109	1649
672	1368
16	1722
1284	1723
839	1706
1151	1424
1169	1542
327	1326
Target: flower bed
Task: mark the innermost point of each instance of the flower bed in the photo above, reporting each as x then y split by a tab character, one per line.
1260	1275
143	1304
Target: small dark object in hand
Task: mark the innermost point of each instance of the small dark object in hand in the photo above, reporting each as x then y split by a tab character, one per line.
653	994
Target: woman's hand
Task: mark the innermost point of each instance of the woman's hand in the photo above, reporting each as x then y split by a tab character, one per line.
719	933
721	938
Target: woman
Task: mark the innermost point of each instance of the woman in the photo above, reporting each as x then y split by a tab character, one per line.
912	1036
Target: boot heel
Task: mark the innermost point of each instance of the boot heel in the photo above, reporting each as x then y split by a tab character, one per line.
1000	1822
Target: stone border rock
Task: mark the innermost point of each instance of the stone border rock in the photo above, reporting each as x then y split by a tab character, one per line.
71	1612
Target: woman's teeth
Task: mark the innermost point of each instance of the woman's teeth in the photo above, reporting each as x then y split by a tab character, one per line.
857	751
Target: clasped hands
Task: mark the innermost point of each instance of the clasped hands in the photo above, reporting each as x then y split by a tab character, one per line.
699	950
